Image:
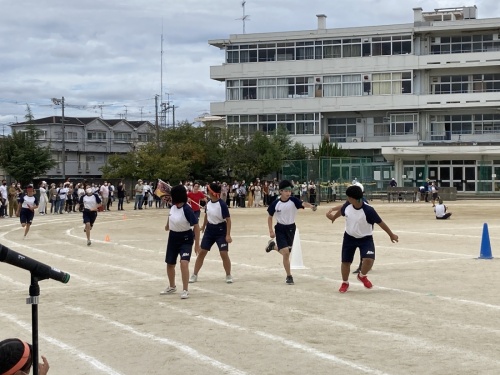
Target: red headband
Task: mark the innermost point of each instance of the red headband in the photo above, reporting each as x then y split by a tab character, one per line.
22	361
217	195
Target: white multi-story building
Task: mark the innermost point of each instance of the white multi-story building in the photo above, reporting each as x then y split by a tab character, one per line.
423	96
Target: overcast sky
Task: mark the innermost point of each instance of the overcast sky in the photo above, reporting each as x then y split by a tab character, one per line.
105	55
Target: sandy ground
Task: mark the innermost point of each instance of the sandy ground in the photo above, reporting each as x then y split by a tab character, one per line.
434	307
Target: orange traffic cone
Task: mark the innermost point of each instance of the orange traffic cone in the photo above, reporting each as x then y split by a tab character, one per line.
106	238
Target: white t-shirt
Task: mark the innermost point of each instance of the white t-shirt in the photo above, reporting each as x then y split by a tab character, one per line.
285	211
440	210
359	221
63	192
104	191
181	219
90	202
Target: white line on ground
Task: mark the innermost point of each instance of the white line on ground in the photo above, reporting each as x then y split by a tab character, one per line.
193	353
95	363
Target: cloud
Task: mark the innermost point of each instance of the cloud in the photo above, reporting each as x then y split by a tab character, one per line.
107	53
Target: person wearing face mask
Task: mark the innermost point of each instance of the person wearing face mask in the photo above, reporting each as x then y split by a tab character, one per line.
3	199
16	358
90	203
12	194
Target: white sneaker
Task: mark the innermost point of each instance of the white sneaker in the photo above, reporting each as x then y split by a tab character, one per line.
229	279
168	290
89	243
193	278
184	294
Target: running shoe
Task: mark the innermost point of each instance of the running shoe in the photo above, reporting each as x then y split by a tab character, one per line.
367	283
89	243
184	294
270	246
193	278
229	279
168	290
289	280
343	288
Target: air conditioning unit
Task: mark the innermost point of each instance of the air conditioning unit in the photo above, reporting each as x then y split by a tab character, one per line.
359	120
356	139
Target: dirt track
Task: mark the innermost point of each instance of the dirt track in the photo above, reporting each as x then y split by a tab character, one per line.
434	308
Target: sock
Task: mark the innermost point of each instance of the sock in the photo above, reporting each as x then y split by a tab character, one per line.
361	275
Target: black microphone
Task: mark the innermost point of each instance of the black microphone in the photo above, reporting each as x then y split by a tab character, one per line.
37	269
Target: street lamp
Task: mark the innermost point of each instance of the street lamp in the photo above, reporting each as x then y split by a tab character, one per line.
63	152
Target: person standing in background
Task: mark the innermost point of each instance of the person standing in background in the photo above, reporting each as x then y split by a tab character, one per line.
120	190
139	195
12	194
44	198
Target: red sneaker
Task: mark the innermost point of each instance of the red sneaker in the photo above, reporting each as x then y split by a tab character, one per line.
367	283
344	287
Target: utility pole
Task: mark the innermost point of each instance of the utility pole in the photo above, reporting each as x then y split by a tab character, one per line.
63	150
173	115
157	125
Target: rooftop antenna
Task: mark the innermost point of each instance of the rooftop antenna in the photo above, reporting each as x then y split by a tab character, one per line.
244	17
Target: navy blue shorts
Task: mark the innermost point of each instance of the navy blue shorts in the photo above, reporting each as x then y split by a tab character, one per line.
284	235
350	244
179	244
26	216
89	217
215	233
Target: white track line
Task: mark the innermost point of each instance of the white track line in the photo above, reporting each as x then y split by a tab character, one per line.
95	363
193	353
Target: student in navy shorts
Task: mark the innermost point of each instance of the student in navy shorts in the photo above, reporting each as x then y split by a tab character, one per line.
90	203
217	229
184	232
360	218
284	210
28	203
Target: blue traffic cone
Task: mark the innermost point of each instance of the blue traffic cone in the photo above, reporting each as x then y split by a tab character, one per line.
485	244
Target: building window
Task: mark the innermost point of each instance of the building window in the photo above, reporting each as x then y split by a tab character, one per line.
41	135
351	47
464	44
381	126
96	136
351	85
123	137
307	123
404	123
285	52
301	123
391	83
319	49
267	52
266	88
486	123
341	128
143	137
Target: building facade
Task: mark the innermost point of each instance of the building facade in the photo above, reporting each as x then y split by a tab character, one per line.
423	97
87	143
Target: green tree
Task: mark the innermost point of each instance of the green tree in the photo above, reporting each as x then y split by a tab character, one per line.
22	158
329	150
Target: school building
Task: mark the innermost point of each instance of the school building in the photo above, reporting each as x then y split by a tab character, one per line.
421	99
